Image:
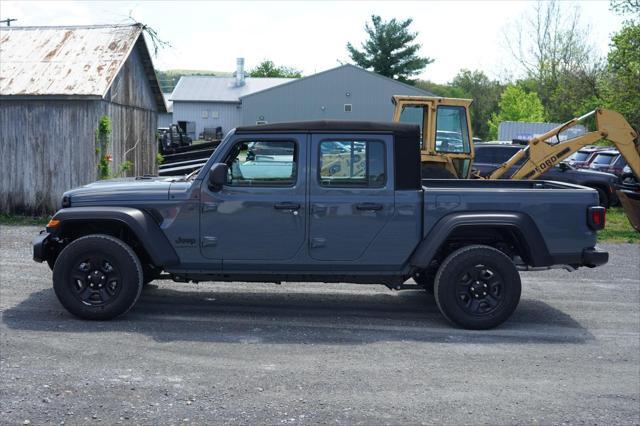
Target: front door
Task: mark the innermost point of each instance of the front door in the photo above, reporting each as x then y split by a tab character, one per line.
259	215
351	194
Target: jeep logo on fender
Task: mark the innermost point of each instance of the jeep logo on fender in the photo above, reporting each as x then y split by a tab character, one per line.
186	241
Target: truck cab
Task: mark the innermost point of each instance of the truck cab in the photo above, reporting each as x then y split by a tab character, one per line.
326	201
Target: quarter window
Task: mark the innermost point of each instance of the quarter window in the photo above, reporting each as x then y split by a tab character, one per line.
358	163
262	163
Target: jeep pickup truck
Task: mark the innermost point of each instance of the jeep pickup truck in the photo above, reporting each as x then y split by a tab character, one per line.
358	214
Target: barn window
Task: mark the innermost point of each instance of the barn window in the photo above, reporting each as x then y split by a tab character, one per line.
215	114
347	107
205	114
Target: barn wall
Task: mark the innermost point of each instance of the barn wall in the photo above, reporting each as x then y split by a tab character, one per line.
133	133
48	147
131	84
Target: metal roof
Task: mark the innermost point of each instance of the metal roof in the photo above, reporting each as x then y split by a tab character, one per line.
221	89
69	60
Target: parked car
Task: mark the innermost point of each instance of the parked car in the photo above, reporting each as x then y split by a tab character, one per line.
583	157
610	161
489	156
373	221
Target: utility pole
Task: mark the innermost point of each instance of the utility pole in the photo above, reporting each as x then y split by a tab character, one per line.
8	21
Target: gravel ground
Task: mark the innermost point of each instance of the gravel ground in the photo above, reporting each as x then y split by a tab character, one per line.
320	353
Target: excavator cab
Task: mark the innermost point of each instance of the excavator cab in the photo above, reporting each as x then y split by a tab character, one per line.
446	140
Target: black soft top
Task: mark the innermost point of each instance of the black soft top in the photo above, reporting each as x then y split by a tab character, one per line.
334	126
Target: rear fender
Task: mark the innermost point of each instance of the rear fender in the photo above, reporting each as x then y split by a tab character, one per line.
530	240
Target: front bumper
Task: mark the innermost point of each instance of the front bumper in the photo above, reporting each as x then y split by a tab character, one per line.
593	257
40	246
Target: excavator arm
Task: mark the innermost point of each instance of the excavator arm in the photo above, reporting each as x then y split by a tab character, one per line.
540	155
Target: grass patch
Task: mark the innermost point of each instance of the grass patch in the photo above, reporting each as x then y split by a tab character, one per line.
618	229
19	220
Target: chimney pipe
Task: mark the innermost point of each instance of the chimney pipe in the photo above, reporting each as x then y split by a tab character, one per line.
240	72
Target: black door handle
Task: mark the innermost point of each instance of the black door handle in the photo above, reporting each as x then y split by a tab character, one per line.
286	206
369	206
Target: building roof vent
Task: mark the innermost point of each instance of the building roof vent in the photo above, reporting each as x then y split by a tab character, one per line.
239	74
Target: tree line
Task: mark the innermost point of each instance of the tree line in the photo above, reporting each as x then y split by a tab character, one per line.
561	75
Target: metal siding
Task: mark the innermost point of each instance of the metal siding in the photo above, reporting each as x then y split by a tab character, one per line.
370	96
220	89
228	114
165	119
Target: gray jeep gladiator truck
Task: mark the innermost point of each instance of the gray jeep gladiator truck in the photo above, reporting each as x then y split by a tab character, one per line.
337	201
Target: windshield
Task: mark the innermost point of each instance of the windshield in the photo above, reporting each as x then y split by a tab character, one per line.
579	156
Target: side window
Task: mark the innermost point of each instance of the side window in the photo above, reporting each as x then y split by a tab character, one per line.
414	115
452	132
262	163
352	163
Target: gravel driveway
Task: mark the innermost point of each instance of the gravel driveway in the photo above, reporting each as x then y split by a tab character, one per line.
320	353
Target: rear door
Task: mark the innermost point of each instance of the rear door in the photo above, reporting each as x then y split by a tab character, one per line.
350	192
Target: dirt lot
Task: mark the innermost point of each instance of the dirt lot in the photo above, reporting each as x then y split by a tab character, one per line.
319	353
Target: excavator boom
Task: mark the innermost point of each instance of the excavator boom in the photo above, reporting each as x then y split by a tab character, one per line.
541	155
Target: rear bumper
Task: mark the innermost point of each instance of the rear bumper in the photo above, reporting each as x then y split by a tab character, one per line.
40	245
593	257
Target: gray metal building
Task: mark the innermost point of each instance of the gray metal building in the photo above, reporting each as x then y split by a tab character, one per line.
346	92
522	130
202	101
343	93
55	85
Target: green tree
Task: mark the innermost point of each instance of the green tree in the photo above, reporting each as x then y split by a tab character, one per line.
390	50
485	94
622	83
267	68
516	105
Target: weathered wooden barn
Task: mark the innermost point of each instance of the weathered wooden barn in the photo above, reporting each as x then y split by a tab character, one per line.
55	85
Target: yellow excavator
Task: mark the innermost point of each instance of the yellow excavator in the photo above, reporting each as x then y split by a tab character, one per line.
447	143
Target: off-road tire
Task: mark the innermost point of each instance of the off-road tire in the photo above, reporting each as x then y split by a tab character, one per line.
452	295
120	257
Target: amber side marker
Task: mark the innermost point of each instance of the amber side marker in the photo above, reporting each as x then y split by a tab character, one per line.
53	223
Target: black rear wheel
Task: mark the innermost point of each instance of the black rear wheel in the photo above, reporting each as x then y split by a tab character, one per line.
97	277
477	287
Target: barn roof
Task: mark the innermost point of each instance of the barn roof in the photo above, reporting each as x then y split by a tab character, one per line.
221	89
69	61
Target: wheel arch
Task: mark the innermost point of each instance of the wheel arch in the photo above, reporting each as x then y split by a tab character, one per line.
517	229
123	222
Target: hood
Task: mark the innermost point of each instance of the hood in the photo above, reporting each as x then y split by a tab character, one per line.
122	189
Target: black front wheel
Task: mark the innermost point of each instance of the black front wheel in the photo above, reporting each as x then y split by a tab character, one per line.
97	277
477	287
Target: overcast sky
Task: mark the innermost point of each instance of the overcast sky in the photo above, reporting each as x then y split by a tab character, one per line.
311	36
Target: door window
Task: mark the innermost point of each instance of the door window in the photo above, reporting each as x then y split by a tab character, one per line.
262	163
413	115
358	163
452	132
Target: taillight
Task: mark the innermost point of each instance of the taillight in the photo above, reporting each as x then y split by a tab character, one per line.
596	217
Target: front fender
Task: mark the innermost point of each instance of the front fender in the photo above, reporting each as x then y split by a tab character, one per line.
143	226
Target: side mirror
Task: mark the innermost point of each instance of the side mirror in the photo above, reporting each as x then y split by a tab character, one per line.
218	176
563	167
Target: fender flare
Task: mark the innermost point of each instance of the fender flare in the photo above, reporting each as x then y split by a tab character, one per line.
525	229
141	223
